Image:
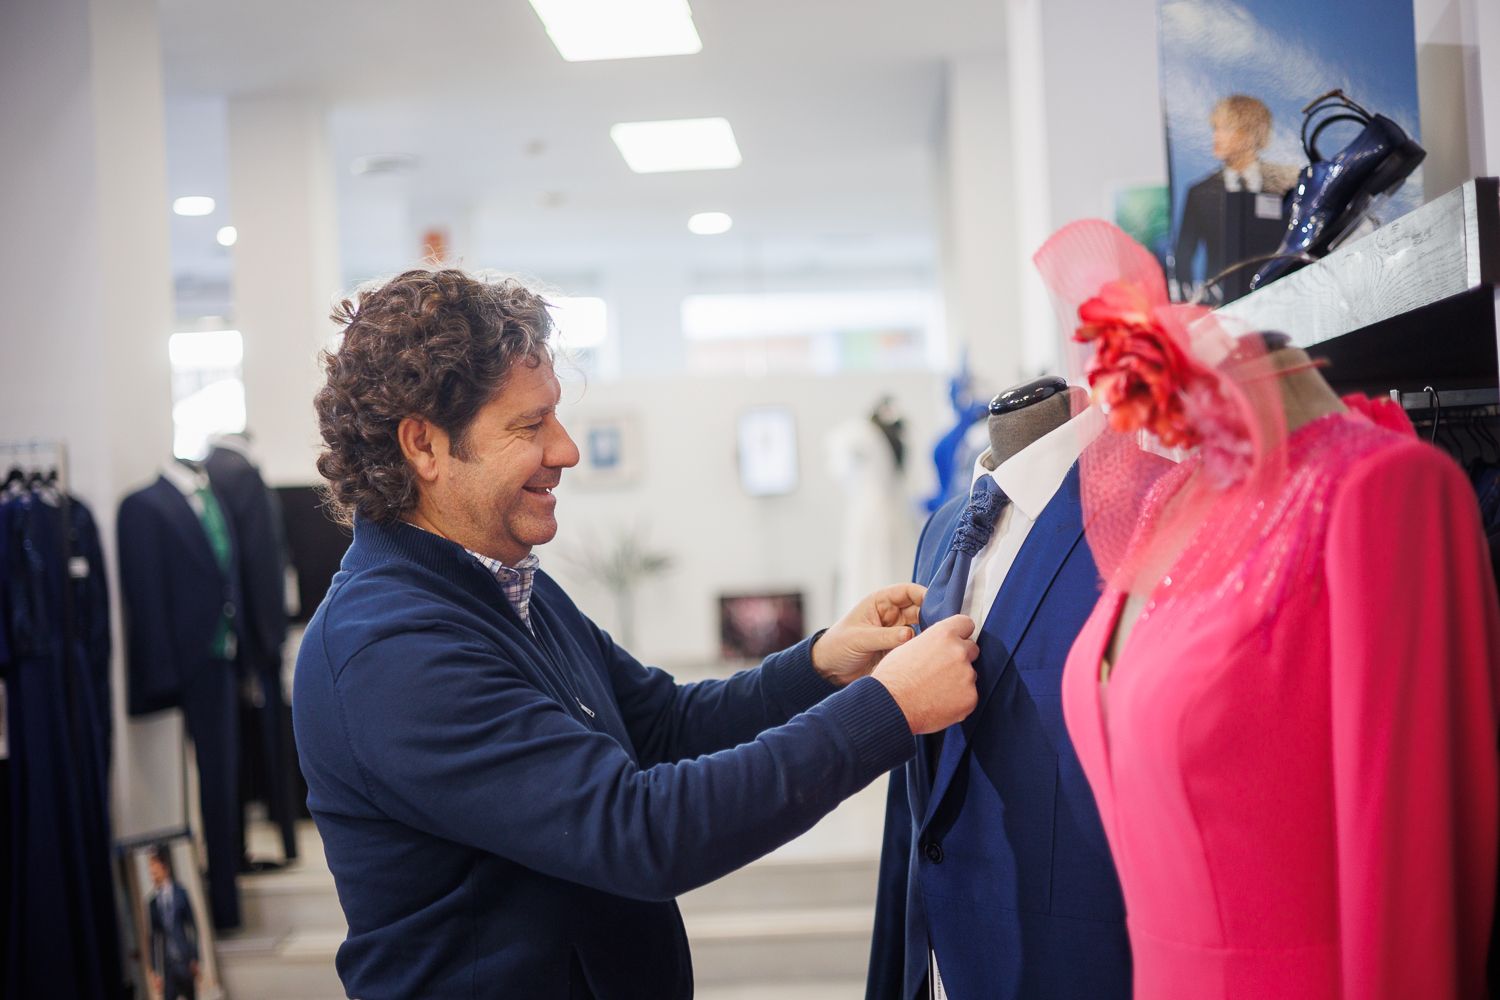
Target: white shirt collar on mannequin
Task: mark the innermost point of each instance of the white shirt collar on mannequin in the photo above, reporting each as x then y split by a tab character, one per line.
1031	476
187	481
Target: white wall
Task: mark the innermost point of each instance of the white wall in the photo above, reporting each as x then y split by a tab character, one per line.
1448	83
285	273
977	211
85	277
689	502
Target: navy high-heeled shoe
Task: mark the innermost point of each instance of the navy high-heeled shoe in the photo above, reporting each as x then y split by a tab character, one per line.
1332	195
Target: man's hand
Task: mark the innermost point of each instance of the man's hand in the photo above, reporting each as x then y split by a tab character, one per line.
932	677
876	625
156	981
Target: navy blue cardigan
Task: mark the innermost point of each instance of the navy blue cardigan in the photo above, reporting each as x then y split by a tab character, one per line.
512	815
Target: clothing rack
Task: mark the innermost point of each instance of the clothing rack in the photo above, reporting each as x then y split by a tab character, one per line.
1446	399
57	451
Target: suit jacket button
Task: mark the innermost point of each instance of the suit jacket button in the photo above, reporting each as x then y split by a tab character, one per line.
934	852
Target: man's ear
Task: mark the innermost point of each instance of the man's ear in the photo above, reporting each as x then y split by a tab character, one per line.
422	443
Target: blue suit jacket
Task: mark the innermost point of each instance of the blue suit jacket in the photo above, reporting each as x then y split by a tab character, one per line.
173	591
1000	863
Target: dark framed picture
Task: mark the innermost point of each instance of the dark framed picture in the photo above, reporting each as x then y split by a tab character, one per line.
171	932
755	625
767	448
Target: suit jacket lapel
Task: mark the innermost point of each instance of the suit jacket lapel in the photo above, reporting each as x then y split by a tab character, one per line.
1051	541
188	528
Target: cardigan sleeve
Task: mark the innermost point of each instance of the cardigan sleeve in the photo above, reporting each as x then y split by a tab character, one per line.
1415	648
669	722
454	740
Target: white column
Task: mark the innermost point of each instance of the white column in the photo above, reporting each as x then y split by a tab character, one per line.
645	301
977	184
1086	121
286	276
86	278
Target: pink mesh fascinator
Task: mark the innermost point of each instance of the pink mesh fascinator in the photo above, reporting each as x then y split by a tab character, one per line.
1170	380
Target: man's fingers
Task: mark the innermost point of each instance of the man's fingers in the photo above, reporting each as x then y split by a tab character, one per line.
879	640
899	604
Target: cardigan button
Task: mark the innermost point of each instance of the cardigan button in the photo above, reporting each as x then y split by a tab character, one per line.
934	852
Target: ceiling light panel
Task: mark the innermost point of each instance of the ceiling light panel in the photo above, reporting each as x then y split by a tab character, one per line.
586	30
709	223
193	204
685	144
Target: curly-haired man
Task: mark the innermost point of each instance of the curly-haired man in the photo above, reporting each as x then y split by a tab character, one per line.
509	802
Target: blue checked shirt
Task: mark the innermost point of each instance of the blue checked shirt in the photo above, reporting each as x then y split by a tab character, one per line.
514	580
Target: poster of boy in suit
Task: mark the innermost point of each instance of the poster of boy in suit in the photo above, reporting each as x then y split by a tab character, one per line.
1235	77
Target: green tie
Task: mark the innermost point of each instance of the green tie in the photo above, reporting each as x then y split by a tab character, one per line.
212	517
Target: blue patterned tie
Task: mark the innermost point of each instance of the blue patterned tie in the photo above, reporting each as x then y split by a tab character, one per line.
945	592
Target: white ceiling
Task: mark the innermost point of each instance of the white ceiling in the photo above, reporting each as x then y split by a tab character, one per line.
836	105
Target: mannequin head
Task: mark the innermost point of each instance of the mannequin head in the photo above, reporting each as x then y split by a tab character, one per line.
1025	412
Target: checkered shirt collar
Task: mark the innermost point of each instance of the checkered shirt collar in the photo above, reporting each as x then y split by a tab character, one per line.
514	580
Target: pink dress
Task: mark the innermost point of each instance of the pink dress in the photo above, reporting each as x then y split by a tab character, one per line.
1297	769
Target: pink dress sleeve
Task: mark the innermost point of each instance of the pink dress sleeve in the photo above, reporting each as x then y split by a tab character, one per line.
1415	649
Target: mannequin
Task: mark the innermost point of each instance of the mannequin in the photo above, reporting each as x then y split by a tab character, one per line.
179	584
979	823
1023	413
1305	396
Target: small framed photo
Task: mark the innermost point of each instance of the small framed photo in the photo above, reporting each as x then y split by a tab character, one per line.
767	447
171	926
609	451
752	626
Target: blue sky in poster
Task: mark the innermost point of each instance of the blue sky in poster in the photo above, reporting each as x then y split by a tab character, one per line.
1285	52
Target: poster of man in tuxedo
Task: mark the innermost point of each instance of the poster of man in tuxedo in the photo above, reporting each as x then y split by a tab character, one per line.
174	938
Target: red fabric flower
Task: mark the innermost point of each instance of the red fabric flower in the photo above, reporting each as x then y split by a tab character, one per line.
1138	369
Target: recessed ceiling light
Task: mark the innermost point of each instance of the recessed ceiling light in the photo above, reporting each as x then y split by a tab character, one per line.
227	235
585	30
709	223
193	204
685	144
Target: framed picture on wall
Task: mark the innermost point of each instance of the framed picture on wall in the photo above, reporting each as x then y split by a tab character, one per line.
171	929
752	626
609	451
767	449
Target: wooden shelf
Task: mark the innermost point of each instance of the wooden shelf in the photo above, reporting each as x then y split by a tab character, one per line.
1413	303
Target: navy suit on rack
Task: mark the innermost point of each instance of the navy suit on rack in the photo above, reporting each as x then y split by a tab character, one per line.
996	859
175	595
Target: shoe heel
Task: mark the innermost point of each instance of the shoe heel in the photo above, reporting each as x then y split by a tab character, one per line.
1397	167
